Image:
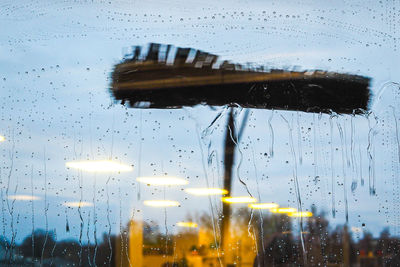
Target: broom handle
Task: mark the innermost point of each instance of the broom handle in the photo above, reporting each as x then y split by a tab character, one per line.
228	166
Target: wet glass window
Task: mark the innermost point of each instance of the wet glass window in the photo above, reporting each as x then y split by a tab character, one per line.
199	133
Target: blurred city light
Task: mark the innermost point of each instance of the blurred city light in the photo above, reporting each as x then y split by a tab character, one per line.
187	224
262	206
284	210
244	199
161	203
23	197
99	166
162	180
2	138
301	214
205	191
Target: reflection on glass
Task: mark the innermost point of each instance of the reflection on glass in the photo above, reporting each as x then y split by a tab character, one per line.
243	199
23	197
78	204
161	203
283	210
206	191
262	206
187	224
162	180
99	166
2	138
301	214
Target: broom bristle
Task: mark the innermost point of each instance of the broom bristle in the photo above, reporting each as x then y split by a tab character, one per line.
194	77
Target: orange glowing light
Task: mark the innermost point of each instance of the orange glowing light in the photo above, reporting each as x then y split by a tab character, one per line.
161	203
206	191
301	214
237	200
187	224
263	206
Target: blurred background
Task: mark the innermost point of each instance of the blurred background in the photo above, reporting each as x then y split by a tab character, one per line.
56	60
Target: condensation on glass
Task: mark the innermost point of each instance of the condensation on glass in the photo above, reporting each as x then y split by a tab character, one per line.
88	181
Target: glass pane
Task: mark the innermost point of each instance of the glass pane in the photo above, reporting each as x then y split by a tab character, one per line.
212	178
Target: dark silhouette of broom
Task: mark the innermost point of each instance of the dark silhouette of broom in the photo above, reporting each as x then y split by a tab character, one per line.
162	78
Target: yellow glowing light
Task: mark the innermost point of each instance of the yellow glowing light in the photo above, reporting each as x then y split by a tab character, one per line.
23	197
239	199
163	180
283	210
206	191
301	214
99	166
187	224
2	138
263	206
161	203
78	204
